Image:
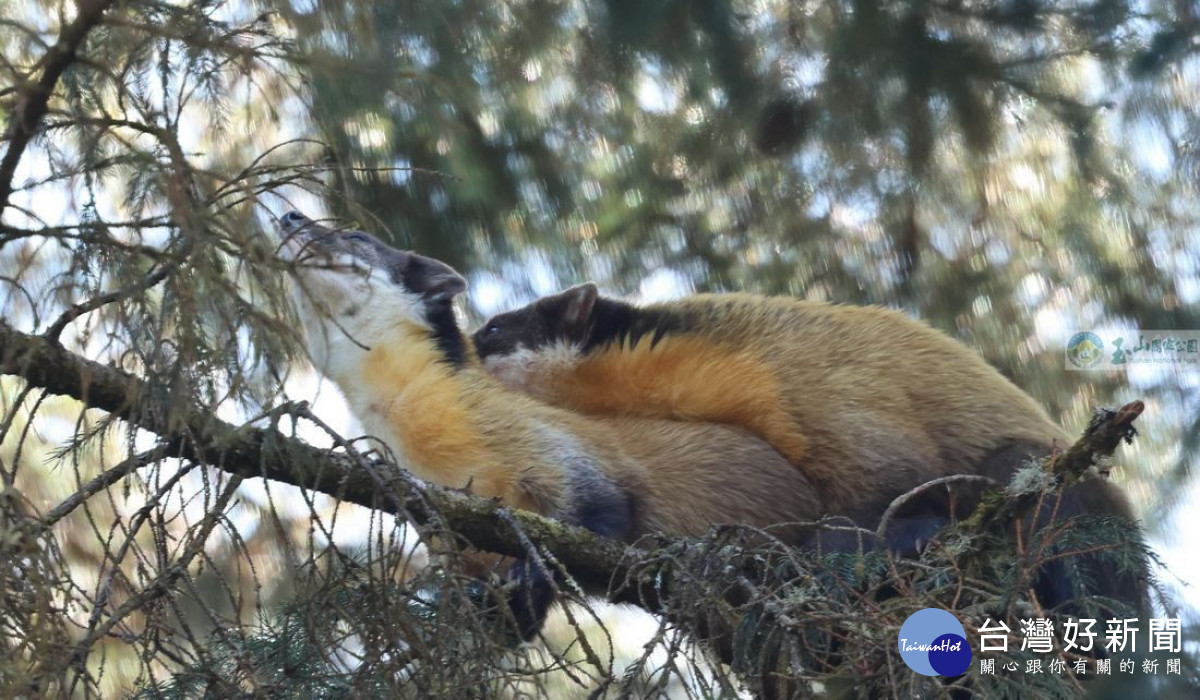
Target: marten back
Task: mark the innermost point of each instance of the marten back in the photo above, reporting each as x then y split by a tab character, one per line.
866	402
863	400
698	475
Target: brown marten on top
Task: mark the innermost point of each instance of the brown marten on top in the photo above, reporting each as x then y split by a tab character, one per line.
866	402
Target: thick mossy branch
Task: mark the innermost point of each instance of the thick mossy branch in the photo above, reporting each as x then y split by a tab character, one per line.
192	432
750	590
1106	431
778	615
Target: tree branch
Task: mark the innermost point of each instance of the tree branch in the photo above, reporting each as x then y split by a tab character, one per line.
191	432
33	98
702	589
86	307
101	482
1104	433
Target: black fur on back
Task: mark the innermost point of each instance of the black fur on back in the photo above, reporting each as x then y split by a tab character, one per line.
615	322
439	314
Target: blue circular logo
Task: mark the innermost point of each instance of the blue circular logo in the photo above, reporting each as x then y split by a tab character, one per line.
1085	350
934	643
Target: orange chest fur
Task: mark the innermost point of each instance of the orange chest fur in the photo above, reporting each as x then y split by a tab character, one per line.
422	403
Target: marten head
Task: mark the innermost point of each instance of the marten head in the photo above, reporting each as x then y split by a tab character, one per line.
352	285
514	344
558	330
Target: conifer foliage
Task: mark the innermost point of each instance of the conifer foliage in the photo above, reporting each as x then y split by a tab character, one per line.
174	523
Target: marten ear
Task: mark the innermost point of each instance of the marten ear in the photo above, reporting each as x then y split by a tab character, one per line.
571	309
433	279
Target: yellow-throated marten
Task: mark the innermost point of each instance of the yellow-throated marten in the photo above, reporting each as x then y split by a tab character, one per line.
853	396
379	322
865	401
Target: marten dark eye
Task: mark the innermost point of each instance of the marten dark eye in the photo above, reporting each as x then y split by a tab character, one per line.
491	329
356	237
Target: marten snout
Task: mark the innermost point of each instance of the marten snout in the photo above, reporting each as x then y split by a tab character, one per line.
293	222
293	219
358	250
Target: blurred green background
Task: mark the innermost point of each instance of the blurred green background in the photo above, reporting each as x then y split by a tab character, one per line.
1008	170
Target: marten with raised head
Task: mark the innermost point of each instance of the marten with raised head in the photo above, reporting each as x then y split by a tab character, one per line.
379	322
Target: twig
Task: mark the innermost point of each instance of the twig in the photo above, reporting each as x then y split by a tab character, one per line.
101	482
162	585
909	495
85	307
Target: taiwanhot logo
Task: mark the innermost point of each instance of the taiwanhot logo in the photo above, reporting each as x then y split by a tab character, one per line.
934	643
